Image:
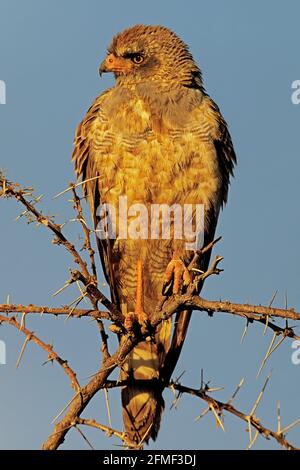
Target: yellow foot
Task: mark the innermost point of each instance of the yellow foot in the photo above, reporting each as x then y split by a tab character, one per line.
136	316
176	276
129	320
142	317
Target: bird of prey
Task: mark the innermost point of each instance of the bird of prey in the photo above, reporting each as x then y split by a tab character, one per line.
156	138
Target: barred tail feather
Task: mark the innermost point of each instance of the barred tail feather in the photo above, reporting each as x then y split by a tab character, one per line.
142	410
142	400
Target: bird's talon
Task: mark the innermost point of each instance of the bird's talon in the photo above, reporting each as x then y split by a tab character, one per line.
142	317
115	328
129	321
176	276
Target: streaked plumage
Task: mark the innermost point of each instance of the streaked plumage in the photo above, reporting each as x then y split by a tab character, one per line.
156	137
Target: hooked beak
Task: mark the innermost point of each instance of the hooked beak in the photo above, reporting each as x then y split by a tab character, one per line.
114	64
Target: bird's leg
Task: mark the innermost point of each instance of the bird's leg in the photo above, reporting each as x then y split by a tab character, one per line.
176	276
139	315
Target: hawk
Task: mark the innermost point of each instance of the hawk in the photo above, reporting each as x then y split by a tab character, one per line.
156	138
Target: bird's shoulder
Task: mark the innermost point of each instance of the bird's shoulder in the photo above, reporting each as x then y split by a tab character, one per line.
94	121
214	123
207	118
95	114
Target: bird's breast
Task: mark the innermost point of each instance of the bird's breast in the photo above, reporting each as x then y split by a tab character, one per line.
152	162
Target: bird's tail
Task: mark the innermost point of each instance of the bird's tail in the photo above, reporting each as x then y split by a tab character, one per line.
142	400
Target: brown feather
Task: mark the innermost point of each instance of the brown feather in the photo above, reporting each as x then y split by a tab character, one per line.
155	137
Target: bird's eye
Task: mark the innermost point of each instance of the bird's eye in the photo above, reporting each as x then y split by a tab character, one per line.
137	58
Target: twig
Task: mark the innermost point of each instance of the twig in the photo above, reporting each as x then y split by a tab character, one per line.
86	230
77	313
254	313
109	431
254	421
96	383
12	190
18	194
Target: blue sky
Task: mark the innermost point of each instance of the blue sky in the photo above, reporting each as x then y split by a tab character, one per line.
248	53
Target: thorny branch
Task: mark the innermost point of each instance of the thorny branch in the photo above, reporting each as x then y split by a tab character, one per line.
190	300
87	233
8	189
109	431
252	313
217	407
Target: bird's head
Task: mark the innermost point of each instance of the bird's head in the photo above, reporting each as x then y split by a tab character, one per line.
150	53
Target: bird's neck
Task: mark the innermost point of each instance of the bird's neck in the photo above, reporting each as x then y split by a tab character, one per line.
171	102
